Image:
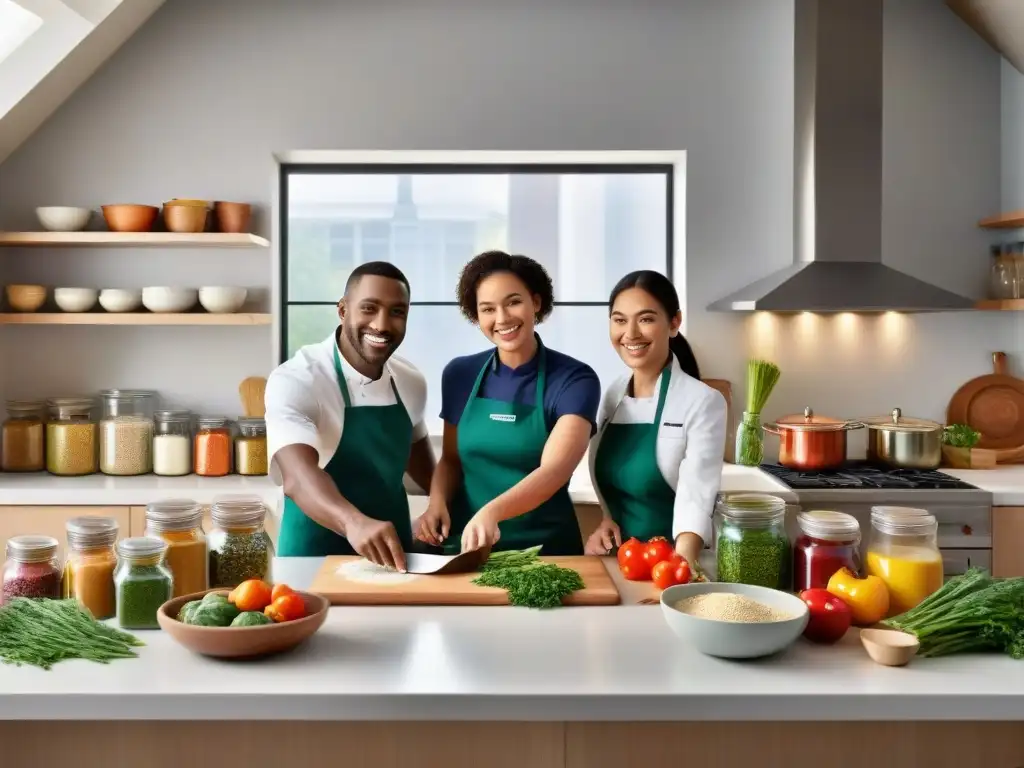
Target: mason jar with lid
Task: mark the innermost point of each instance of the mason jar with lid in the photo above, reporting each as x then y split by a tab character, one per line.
90	564
172	443
142	581
179	522
251	447
751	543
904	553
72	437
23	442
240	548
828	541
32	569
213	453
126	432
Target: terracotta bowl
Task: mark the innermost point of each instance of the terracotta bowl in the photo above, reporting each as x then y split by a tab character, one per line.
232	217
242	642
185	217
26	298
130	218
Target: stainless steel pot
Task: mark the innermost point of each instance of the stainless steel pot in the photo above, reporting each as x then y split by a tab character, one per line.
903	443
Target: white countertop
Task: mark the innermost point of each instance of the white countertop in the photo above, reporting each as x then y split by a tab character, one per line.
503	663
1005	483
41	488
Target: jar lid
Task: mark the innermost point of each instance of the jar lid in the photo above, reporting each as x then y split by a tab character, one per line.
900	423
211	422
173	415
26	406
31	549
141	546
809	422
128	395
902	520
829	525
58	402
752	506
237	510
88	531
174	514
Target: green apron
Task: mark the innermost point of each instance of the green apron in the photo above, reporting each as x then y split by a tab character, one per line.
368	467
627	475
500	444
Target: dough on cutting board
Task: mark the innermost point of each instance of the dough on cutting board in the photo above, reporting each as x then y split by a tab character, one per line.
366	572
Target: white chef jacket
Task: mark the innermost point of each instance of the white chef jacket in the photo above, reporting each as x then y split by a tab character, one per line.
691	443
304	403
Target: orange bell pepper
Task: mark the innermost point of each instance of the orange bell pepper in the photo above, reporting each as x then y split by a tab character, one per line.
286	608
251	595
868	598
281	589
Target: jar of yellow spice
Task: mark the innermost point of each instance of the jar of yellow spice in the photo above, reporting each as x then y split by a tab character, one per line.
72	437
90	564
251	447
904	553
22	448
179	522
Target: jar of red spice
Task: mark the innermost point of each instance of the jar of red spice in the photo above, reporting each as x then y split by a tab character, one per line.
213	447
32	568
828	541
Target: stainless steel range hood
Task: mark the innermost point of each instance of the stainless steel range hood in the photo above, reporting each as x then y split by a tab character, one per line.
838	177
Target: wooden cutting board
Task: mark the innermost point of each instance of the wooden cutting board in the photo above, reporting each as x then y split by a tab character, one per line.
455	589
993	405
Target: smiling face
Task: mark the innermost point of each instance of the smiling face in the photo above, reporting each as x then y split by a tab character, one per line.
506	311
640	329
373	317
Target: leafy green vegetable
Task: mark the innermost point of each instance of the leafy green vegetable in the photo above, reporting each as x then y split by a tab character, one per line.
185	614
43	632
251	619
214	614
530	582
960	436
214	597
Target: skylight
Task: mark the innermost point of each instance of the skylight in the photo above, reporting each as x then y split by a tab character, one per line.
16	26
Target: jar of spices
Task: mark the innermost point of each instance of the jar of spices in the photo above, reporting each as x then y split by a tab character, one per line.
72	437
240	548
179	522
126	432
213	447
32	568
172	443
23	442
828	541
752	544
251	447
90	565
904	553
142	581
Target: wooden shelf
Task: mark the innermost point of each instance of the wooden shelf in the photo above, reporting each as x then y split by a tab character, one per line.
133	239
1013	220
1001	305
132	318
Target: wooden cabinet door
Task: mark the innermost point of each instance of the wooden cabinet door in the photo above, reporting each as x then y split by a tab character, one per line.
1007	541
50	521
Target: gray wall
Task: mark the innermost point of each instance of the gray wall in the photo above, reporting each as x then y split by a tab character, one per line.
195	104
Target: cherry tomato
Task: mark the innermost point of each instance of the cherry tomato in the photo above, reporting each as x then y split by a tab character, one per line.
657	550
631	561
830	616
681	573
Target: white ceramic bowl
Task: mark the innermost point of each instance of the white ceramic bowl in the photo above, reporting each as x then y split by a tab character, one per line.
221	299
166	299
75	299
120	299
62	218
730	639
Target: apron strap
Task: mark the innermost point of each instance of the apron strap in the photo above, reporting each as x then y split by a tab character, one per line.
342	384
666	378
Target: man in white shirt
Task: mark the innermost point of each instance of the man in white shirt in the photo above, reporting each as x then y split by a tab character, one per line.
344	425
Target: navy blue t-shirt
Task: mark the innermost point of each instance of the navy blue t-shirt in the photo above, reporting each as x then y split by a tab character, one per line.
571	387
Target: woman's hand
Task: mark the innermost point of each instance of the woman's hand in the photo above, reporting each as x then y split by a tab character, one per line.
604	538
481	531
433	525
688	547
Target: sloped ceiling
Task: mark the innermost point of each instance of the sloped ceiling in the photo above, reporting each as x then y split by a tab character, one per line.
74	40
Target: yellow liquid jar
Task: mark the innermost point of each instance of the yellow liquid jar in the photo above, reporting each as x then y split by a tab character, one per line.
904	553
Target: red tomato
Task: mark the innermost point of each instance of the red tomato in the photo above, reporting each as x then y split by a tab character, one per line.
830	617
631	561
664	574
681	573
657	550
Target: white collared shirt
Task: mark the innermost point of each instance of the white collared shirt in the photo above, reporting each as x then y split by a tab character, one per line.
305	406
691	443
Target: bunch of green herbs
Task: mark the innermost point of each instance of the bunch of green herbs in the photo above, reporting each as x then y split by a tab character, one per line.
960	436
529	581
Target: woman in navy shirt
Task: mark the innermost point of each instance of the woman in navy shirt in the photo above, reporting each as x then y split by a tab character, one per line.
517	421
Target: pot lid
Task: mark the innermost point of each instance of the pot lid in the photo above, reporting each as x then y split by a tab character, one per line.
809	422
900	423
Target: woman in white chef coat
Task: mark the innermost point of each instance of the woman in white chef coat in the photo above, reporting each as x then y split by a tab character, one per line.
656	460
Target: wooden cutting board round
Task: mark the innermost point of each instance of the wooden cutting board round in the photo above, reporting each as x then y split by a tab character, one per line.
993	405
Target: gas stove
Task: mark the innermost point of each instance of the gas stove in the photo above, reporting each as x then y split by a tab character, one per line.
863	475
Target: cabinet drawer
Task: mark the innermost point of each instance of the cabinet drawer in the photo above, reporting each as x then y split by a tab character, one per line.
957	561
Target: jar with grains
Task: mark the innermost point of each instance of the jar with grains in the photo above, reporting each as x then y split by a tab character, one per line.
32	568
142	581
903	552
213	447
23	442
72	437
90	564
240	548
251	447
179	522
752	544
828	541
172	443
126	432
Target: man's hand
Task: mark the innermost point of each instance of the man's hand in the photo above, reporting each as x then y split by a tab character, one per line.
604	538
433	525
377	541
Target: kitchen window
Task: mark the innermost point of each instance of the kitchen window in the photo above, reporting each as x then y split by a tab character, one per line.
589	223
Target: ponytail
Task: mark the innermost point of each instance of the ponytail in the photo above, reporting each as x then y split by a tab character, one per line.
684	354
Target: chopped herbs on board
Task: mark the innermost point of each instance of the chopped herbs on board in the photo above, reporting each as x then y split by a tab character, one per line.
530	582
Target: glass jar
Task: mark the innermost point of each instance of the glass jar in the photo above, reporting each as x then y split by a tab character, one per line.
126	432
72	437
752	544
142	581
23	445
179	522
1002	276
251	447
32	568
240	548
213	447
91	561
172	443
904	553
749	440
828	541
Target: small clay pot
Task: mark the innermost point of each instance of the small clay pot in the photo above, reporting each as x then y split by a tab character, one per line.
232	217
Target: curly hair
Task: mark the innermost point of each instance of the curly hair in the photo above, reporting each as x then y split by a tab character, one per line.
533	274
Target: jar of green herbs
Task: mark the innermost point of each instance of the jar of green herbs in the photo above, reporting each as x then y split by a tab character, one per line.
240	548
762	376
142	581
752	546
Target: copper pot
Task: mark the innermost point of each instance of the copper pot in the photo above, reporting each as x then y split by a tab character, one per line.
810	442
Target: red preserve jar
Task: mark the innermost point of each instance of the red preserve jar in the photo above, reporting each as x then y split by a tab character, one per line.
828	541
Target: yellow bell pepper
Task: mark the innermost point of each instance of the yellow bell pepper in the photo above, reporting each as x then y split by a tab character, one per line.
868	598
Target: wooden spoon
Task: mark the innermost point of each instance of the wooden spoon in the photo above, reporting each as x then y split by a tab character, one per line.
252	391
